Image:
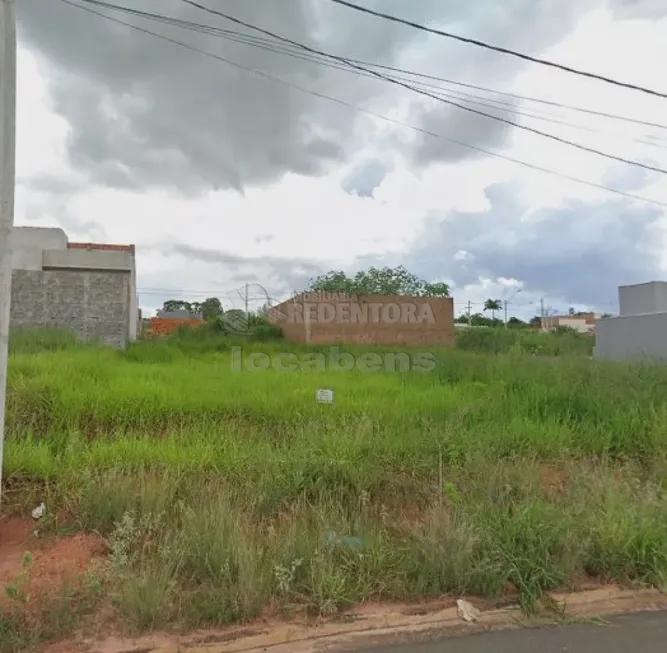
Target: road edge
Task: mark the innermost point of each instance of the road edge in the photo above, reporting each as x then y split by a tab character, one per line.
365	628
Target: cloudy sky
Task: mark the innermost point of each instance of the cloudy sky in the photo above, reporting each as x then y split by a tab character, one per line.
222	176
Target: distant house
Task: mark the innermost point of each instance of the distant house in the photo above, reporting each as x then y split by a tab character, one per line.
581	322
167	322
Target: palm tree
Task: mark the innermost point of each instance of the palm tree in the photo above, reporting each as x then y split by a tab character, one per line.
492	305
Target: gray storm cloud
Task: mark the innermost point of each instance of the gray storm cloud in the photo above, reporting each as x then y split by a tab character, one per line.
144	112
639	8
277	274
580	252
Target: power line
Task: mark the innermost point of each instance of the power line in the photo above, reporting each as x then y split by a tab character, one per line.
215	292
290	51
585	148
368	112
527	98
295	52
514	53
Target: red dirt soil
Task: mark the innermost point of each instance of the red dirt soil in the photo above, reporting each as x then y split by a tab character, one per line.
554	480
53	563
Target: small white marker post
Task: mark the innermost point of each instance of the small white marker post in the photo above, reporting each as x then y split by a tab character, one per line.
324	396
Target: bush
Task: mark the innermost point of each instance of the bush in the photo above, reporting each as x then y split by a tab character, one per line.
264	332
565	342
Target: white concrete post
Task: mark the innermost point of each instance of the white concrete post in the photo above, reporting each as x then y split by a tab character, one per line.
7	181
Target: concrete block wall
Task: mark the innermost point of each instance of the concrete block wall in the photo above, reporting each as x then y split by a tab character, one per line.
94	305
81	259
87	288
130	252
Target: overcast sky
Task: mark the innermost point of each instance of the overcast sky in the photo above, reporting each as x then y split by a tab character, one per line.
222	177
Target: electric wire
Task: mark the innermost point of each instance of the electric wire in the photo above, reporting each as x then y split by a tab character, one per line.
498	105
368	112
284	48
512	123
495	48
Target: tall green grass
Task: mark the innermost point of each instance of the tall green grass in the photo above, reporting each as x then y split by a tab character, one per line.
493	340
222	492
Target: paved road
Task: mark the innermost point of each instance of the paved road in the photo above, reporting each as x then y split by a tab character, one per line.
639	633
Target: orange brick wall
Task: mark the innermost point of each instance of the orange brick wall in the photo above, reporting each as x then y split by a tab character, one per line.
162	326
439	331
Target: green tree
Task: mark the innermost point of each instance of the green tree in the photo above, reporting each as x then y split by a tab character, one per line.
211	308
378	281
535	321
516	323
177	305
436	289
478	319
492	305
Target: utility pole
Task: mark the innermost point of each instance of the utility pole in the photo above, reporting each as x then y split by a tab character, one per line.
469	313
247	316
508	300
7	182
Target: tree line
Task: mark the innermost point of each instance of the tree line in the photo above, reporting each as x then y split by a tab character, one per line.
385	281
209	309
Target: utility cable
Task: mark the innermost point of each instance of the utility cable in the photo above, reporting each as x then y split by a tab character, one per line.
271	45
368	112
290	50
488	46
512	123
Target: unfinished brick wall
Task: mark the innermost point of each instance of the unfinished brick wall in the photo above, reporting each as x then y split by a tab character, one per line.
163	326
130	249
377	320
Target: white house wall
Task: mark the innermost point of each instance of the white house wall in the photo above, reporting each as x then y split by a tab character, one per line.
632	338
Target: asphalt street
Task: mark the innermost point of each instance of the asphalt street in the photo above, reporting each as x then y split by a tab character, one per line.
639	633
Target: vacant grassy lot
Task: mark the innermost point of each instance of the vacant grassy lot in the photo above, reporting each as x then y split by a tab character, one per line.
222	495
